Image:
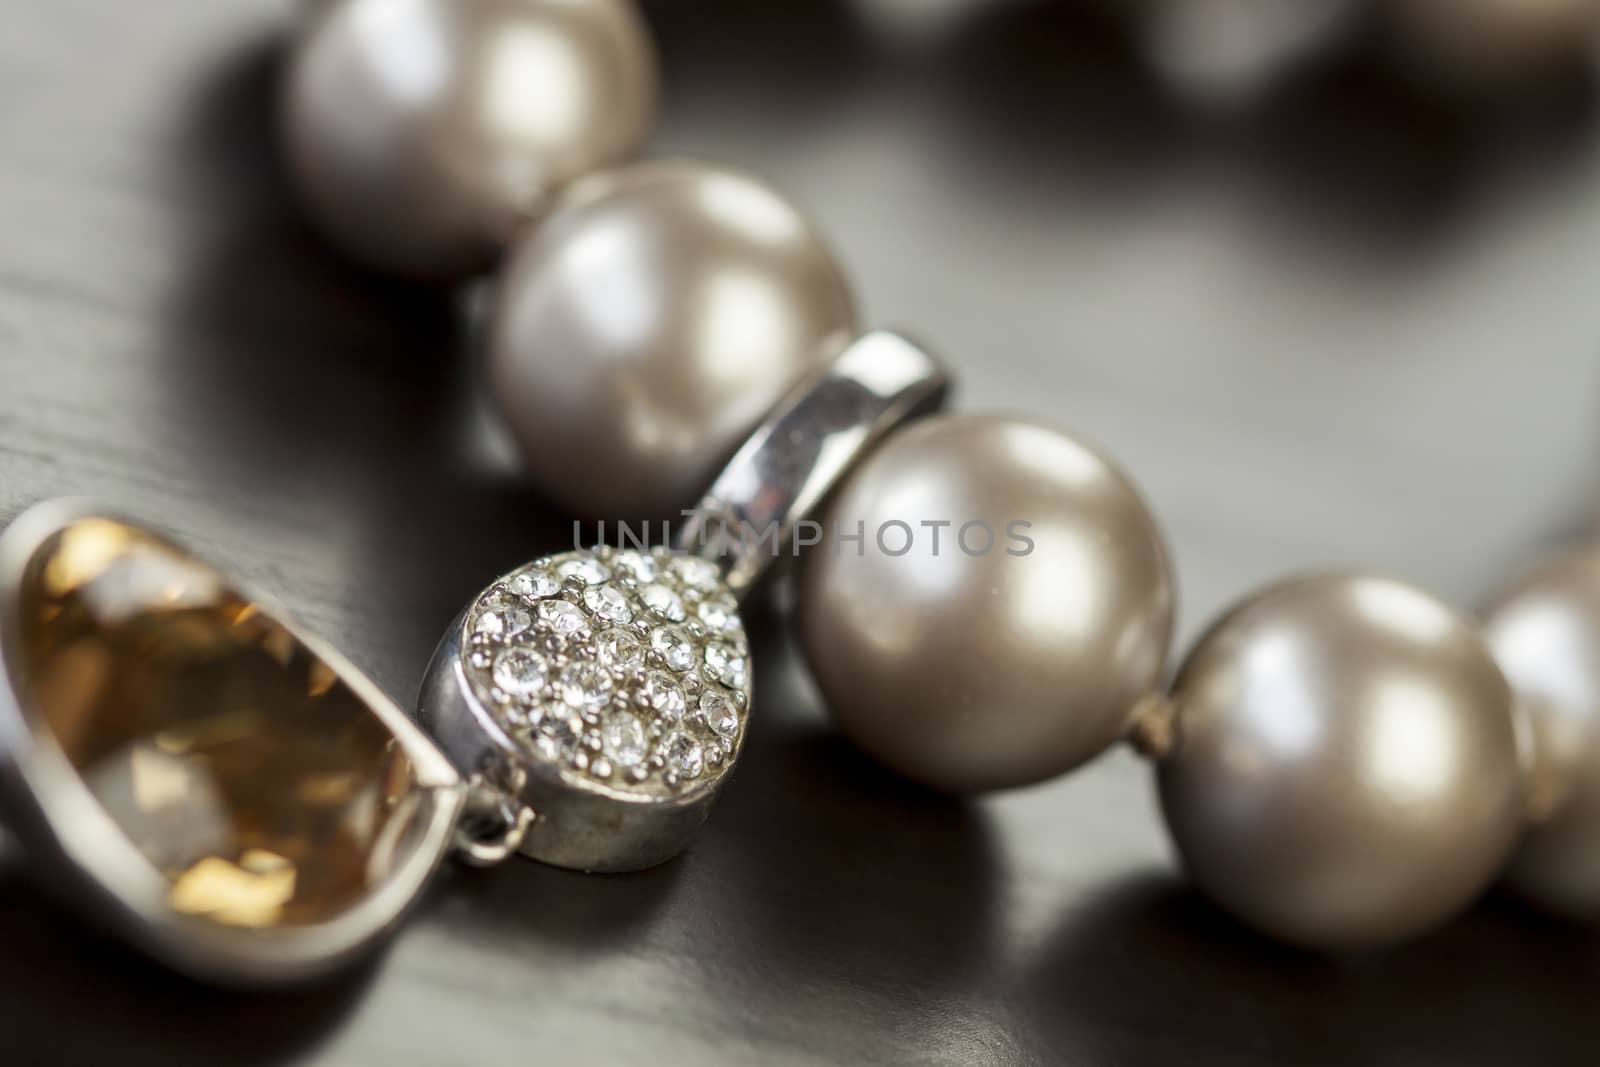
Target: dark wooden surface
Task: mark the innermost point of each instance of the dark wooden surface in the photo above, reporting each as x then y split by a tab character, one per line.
1344	327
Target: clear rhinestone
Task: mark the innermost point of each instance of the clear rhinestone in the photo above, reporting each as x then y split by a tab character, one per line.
664	602
665	695
520	672
726	664
619	648
585	684
685	757
674	646
558	733
534	584
719	713
720	612
561	616
502	619
608	603
696	573
626	665
636	565
625	740
586	569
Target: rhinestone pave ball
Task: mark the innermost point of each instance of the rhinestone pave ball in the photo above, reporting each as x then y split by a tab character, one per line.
616	665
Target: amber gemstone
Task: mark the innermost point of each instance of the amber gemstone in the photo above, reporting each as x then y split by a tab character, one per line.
240	765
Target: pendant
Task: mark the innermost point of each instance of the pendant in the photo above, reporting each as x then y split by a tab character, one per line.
605	693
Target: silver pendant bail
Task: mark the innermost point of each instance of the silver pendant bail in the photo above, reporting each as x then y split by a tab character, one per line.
804	448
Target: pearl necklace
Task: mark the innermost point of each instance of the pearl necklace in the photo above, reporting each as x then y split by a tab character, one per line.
984	602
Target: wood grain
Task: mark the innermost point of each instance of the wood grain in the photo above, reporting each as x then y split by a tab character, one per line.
1341	328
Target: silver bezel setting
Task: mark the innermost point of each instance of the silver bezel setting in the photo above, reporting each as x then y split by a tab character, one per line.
595	808
74	848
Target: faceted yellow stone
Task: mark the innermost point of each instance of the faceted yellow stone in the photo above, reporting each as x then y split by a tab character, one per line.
241	766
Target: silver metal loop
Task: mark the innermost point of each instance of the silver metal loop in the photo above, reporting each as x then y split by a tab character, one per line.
787	467
491	826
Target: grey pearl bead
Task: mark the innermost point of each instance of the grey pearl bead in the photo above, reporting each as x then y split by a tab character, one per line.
649	324
1480	43
969	670
1346	771
420	133
1545	632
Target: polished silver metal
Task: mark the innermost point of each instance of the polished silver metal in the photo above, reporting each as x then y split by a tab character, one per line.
74	848
561	782
820	431
492	824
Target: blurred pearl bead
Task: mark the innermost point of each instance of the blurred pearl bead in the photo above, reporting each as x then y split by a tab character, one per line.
649	324
1346	772
1546	635
421	132
969	670
1486	41
1228	53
